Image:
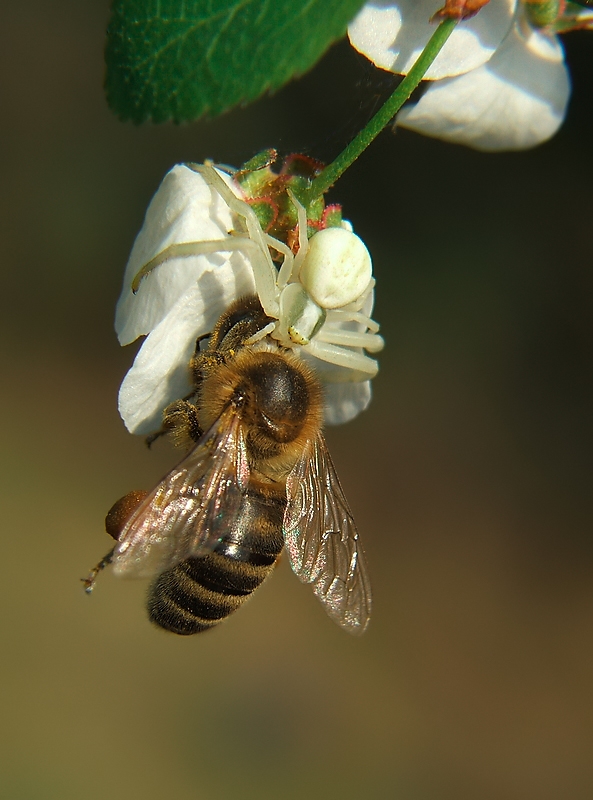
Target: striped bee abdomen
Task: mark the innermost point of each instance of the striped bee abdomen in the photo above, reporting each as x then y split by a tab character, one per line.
200	592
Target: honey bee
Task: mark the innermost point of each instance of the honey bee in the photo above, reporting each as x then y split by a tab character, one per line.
258	477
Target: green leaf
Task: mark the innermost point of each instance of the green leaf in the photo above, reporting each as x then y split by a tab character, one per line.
179	59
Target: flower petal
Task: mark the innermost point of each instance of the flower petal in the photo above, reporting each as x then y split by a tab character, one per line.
184	209
344	401
515	101
393	33
160	372
183	298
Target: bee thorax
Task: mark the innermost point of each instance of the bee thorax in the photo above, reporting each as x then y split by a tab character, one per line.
273	396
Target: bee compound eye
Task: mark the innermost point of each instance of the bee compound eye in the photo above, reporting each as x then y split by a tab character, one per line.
337	268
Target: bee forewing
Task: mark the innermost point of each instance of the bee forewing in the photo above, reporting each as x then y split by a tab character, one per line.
322	540
188	510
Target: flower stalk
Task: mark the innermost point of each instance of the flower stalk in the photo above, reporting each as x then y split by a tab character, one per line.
383	117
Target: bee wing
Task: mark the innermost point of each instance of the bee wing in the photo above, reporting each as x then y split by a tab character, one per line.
322	540
188	511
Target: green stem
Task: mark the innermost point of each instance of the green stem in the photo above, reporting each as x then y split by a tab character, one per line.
385	114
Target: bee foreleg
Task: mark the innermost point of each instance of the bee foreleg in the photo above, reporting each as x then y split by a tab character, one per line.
199	340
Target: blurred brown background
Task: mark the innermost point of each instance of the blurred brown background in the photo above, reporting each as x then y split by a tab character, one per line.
470	475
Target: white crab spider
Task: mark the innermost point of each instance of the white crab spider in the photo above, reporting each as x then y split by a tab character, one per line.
329	279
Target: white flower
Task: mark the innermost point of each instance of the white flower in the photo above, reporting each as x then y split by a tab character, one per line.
499	83
182	298
393	33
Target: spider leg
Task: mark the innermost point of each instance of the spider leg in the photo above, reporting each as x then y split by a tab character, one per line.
263	267
303	239
187	249
286	269
334	354
261	334
344	315
370	341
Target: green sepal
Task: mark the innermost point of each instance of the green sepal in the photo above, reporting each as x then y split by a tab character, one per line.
266	212
332	216
542	14
574	17
259	161
316	209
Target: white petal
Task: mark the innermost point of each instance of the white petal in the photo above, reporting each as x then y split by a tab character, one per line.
344	401
159	373
515	101
393	33
184	209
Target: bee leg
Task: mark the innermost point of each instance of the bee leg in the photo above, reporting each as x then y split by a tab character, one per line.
116	518
199	340
188	419
89	581
180	419
202	363
184	414
150	440
121	511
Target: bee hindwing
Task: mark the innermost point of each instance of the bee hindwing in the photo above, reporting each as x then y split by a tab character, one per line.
322	540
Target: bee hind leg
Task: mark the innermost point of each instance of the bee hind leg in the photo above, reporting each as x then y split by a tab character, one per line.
89	581
115	521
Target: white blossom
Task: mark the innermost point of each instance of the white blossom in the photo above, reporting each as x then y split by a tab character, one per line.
393	33
182	298
499	83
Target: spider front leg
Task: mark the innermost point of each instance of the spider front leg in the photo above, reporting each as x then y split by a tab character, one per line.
188	249
266	289
303	239
253	243
264	271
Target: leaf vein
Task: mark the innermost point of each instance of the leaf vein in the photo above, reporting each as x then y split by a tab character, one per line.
184	58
